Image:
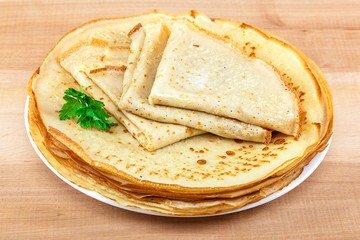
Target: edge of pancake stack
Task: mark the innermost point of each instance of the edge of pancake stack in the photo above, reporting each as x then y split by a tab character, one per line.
211	114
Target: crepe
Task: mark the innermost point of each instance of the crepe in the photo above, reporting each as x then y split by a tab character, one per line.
98	62
204	174
74	170
203	73
137	36
138	84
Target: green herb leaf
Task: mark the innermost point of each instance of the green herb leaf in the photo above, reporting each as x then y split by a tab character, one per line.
90	112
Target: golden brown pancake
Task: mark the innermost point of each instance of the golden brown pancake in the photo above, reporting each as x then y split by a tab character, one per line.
204	73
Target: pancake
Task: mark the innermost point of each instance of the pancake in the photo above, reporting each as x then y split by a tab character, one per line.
138	84
137	36
203	73
77	172
225	173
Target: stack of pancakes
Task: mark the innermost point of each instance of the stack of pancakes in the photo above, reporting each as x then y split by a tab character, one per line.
212	114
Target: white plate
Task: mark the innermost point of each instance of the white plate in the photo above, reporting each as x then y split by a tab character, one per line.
308	170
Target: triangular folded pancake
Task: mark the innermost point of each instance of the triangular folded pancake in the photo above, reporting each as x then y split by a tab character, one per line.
105	65
137	36
202	73
137	87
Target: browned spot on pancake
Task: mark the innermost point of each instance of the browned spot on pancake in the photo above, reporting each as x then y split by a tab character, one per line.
189	130
134	29
195	45
230	153
223	157
89	87
191	149
121	68
265	148
238	141
201	161
301	94
243	25
99	42
108	67
280	141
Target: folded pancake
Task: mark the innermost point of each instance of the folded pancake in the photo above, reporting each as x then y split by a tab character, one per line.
137	36
207	165
138	84
203	73
98	62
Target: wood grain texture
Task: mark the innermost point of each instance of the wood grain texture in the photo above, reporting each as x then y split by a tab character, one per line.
35	204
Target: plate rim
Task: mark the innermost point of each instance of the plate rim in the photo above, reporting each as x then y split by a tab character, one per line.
307	171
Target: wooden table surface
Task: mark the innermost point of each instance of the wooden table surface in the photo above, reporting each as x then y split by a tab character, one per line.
35	204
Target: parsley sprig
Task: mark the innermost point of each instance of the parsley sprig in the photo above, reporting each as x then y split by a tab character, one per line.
90	112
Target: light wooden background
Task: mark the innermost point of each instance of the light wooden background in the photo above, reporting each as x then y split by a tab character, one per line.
35	204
